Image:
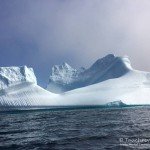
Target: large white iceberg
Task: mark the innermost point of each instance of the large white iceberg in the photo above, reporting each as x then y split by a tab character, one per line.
104	82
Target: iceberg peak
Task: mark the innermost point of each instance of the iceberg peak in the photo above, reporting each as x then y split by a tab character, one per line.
104	62
61	68
15	75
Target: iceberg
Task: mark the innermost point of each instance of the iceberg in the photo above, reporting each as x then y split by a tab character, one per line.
116	104
111	80
18	88
108	79
65	78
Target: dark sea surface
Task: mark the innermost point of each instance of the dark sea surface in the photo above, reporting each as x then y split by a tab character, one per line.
76	129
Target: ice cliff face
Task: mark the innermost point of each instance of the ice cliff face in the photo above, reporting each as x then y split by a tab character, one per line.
10	76
64	77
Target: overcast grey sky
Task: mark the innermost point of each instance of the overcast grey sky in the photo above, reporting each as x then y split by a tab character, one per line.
41	33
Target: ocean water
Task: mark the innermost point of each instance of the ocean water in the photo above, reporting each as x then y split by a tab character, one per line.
81	129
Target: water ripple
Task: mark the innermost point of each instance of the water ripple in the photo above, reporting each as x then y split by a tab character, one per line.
92	129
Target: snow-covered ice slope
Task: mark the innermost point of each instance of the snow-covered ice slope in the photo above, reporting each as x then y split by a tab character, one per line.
25	95
132	88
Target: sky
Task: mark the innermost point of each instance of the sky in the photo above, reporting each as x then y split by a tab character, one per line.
42	33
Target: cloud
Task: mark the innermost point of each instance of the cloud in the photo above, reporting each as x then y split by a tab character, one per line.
76	31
